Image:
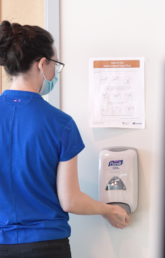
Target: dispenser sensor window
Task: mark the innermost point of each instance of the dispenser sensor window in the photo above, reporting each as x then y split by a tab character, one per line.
115	184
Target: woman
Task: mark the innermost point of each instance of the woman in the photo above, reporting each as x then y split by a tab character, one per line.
39	145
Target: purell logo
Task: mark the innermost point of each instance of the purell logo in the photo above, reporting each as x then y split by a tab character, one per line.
113	163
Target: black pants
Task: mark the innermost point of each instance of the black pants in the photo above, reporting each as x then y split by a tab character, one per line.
45	249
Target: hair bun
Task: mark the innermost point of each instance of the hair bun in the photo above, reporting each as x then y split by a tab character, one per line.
6	33
6	29
21	46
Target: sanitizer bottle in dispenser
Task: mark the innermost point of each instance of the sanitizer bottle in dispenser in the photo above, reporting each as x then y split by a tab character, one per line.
118	177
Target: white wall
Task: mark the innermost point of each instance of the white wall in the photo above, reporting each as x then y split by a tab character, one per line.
108	28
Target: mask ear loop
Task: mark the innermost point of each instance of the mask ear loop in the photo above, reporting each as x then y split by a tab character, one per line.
42	74
54	70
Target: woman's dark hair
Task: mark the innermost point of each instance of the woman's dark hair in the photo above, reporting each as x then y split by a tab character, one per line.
21	45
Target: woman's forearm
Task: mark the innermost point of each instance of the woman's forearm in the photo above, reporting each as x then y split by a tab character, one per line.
83	204
74	201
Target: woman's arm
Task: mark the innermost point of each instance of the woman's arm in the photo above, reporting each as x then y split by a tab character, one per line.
74	201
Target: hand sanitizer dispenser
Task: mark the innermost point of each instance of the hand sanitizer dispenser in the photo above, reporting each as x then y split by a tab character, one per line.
118	177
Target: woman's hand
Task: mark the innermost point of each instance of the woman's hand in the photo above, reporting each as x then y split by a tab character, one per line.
116	216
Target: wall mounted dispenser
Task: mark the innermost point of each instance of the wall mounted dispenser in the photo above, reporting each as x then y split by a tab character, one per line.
118	177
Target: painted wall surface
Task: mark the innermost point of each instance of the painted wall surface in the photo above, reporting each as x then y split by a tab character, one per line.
24	12
107	28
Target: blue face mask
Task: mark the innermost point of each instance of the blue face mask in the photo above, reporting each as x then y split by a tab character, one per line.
47	85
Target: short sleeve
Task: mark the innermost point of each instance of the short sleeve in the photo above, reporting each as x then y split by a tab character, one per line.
70	142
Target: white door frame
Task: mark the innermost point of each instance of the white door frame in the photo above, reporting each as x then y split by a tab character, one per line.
52	24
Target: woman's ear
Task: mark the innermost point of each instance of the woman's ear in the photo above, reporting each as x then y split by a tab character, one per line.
41	64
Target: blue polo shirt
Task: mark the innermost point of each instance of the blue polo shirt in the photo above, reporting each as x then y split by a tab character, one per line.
34	137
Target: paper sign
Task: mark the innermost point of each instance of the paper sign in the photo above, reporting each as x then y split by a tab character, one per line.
116	92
